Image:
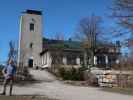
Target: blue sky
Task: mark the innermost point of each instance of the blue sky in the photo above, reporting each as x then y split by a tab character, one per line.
59	16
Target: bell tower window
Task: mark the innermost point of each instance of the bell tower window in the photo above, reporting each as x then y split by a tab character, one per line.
32	26
31	45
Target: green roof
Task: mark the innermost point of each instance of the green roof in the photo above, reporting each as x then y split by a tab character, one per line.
69	44
47	43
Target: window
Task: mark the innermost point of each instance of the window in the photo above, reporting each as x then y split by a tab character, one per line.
31	27
31	45
71	60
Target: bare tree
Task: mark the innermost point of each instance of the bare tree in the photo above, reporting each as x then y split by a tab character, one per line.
59	36
123	12
57	51
12	52
88	32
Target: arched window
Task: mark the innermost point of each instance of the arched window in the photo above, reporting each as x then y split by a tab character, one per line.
31	45
32	26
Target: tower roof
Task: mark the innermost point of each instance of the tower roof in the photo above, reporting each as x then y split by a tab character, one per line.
36	12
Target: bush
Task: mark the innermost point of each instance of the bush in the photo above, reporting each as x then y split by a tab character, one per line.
92	79
75	74
23	74
1	73
1	68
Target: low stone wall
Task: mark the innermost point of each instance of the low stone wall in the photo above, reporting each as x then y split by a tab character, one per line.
113	79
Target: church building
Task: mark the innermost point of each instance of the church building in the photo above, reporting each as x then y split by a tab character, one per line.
36	51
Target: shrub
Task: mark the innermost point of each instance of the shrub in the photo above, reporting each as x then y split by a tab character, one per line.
92	79
62	71
1	68
23	74
75	74
1	73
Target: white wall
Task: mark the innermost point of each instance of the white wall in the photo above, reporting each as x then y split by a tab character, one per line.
78	61
46	60
64	60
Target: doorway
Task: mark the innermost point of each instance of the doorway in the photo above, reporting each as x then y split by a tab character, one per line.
30	63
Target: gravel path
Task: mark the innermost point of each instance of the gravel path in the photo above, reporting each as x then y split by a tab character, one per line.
52	88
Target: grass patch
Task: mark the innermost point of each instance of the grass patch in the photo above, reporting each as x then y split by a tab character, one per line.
127	91
24	98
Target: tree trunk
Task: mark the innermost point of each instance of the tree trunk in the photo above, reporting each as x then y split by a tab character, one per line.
85	58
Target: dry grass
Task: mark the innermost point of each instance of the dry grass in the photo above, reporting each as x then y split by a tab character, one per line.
127	91
24	98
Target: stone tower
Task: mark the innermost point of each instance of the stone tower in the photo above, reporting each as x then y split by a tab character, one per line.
30	38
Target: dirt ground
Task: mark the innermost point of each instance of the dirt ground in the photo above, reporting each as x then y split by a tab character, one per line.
50	87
